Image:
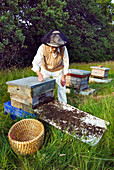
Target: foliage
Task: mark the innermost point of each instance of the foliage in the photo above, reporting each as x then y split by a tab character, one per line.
40	17
88	31
26	22
107	9
85	23
11	36
61	151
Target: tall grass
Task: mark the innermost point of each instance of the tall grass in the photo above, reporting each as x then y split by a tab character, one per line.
60	151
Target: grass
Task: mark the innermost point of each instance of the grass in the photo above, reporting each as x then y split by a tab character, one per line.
60	151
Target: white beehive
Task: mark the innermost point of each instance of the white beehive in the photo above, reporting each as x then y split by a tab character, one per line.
99	71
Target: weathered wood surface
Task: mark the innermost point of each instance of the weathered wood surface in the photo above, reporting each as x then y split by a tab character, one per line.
30	86
99	71
31	101
77	79
78	83
78	88
27	108
28	104
77	123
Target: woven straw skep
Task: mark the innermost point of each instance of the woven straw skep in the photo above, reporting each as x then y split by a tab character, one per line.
26	136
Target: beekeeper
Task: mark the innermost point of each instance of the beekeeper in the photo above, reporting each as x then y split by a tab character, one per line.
53	59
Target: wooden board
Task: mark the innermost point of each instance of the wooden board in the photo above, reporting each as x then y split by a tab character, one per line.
30	86
77	123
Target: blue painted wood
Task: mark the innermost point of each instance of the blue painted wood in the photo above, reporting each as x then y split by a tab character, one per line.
15	112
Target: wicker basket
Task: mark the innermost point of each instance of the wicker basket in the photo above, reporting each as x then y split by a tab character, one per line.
26	135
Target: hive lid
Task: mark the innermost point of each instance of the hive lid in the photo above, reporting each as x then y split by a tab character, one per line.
30	82
79	72
101	68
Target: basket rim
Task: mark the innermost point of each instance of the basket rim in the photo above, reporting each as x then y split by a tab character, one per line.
25	142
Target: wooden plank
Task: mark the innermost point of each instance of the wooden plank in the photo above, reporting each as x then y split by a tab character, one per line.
77	123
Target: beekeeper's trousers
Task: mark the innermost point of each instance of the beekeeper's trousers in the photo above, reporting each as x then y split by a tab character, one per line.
61	91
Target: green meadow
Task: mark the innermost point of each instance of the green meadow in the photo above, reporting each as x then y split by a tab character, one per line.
61	151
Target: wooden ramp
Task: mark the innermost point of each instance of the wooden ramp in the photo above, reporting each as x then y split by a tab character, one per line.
77	123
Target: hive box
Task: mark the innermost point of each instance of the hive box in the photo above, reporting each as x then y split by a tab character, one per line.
78	79
100	72
27	93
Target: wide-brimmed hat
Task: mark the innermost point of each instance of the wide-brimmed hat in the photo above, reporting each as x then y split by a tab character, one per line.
54	38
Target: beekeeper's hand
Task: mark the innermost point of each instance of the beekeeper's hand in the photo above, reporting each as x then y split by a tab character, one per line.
40	76
63	80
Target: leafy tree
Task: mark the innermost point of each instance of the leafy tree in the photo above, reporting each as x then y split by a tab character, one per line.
39	17
24	22
107	9
87	29
11	36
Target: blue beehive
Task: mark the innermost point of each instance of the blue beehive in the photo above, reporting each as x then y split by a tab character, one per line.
15	112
